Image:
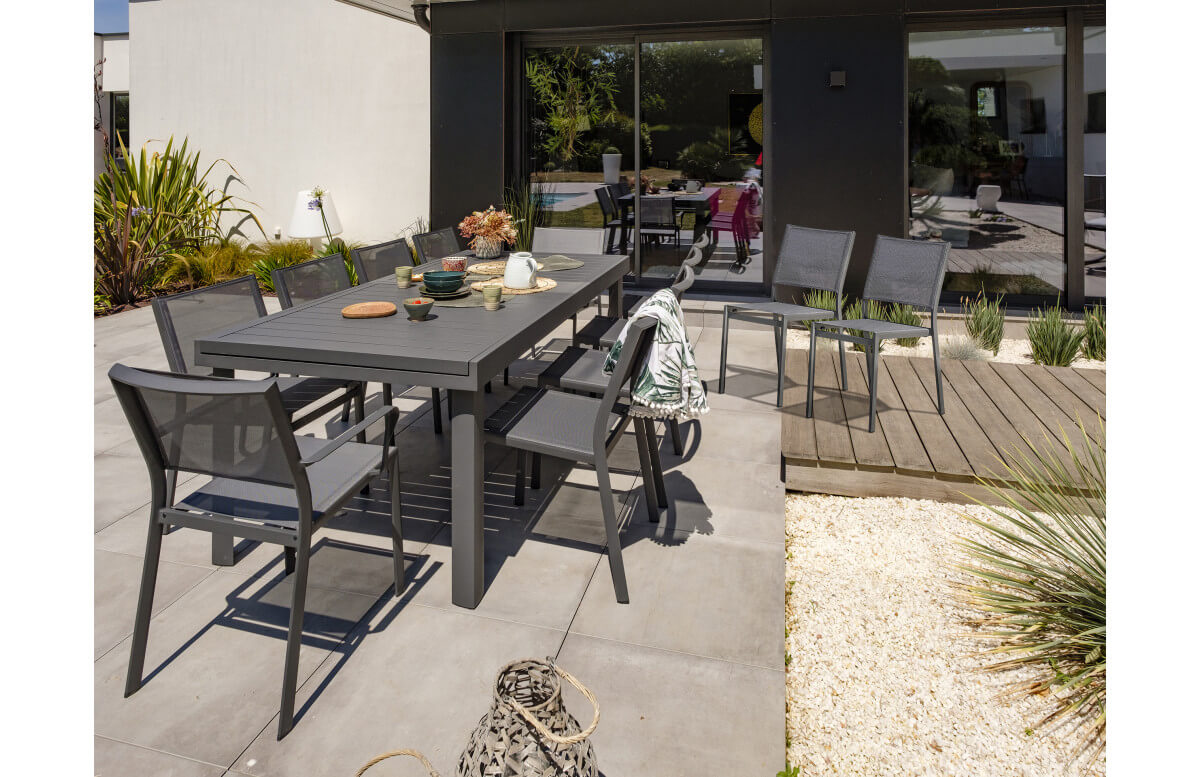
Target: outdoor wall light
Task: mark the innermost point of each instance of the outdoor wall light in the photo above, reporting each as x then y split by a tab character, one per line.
837	78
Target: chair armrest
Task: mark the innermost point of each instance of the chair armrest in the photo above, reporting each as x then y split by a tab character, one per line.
390	413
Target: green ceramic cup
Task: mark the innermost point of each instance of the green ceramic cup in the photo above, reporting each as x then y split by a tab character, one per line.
404	277
491	297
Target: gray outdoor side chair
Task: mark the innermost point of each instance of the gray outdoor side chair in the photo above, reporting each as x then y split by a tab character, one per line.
311	280
582	369
577	428
381	259
267	484
808	258
183	318
902	272
432	246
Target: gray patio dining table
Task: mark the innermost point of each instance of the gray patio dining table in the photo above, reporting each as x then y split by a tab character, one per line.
458	349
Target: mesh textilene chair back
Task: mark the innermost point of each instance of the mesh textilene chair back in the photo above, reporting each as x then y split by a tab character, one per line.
634	353
433	246
311	280
622	187
658	212
813	259
212	426
183	318
379	261
909	272
607	207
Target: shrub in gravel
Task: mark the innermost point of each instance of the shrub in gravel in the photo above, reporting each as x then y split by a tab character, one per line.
984	320
1052	340
826	300
1094	329
904	314
1038	580
963	349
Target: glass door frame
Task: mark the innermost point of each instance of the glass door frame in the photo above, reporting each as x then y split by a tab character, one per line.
624	37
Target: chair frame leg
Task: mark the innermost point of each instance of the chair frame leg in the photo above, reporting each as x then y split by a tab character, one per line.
676	436
519	479
842	356
780	324
937	371
289	560
812	368
437	411
397	530
648	484
616	564
873	376
535	471
360	410
387	393
656	465
724	349
172	479
291	660
145	605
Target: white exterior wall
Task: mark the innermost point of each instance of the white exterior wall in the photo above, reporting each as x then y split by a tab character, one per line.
114	50
294	93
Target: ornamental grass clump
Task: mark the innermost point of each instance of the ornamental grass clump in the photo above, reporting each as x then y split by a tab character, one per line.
1053	341
875	310
1037	579
527	204
962	349
984	320
1094	330
903	314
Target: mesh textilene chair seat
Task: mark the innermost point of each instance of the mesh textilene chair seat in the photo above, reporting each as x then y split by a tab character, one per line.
808	259
185	317
268	485
381	260
539	422
312	280
432	246
902	272
658	218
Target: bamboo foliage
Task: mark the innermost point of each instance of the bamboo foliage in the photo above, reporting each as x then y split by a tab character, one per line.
1038	582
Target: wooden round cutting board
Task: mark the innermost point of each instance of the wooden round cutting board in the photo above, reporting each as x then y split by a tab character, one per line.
369	310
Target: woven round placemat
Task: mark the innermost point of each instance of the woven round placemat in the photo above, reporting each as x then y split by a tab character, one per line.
543	284
493	268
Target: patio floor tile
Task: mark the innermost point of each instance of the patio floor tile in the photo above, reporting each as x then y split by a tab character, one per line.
117	578
119	759
215	664
690	593
419	677
733	724
122	485
734	435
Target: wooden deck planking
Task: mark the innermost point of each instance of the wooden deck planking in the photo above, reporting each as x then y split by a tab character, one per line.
904	442
833	437
1054	421
940	445
870	449
981	455
1091	396
1071	405
1024	421
799	434
989	417
1097	378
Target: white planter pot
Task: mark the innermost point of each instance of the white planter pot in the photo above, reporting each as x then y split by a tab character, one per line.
612	167
986	197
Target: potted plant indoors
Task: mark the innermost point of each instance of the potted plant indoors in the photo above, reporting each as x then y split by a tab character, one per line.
612	164
488	231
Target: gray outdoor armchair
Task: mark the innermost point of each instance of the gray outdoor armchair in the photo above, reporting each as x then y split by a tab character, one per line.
381	259
584	429
432	246
311	280
808	258
267	484
902	272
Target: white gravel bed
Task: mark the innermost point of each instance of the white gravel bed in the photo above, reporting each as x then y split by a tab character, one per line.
880	676
1014	351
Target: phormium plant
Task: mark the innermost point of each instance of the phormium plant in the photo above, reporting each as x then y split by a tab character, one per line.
1052	340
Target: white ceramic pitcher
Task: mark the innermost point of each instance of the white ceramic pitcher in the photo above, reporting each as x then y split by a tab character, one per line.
520	272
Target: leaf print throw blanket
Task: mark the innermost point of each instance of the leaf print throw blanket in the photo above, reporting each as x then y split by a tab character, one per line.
669	386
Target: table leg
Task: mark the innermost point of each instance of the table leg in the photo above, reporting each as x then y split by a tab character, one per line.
222	544
615	299
466	497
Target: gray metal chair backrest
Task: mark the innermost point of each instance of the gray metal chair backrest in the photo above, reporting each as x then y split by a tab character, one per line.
212	426
432	246
812	259
634	353
381	260
607	207
908	272
183	318
622	187
658	211
311	280
615	193
683	281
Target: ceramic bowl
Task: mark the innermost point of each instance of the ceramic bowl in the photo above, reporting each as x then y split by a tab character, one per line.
443	281
454	264
418	307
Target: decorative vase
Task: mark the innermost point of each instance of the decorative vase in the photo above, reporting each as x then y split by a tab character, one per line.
487	247
612	167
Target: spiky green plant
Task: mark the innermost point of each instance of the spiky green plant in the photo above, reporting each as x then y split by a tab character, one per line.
876	310
1094	329
1052	340
527	206
984	320
1038	581
903	314
213	263
273	255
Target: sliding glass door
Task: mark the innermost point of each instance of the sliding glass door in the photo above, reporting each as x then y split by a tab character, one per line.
641	145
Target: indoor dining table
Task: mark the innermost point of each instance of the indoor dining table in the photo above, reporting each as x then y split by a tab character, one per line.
457	349
703	203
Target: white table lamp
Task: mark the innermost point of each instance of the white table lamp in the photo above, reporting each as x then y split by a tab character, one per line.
306	220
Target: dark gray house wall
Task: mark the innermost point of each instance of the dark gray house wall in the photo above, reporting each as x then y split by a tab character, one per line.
834	158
